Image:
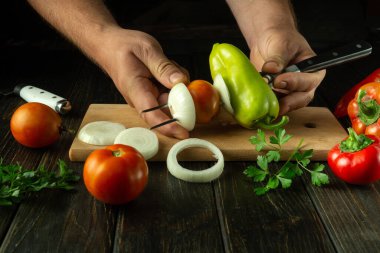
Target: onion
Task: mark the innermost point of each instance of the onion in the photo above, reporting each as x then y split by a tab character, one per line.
181	106
100	132
221	86
202	176
142	139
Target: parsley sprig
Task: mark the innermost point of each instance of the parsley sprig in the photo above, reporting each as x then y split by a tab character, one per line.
16	181
277	175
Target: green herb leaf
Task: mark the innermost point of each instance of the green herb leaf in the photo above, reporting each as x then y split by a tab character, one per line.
273	155
317	177
17	181
256	174
262	161
297	163
285	182
280	137
260	190
273	183
258	140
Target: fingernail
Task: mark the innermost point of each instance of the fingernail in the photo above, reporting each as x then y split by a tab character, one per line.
273	65
176	78
282	85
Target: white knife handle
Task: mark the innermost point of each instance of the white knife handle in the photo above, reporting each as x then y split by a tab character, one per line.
33	94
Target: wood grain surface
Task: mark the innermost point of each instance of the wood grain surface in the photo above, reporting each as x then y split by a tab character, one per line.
315	125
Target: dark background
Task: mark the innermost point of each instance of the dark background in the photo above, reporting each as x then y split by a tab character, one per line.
182	26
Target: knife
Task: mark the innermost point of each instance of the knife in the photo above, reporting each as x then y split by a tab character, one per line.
325	60
33	94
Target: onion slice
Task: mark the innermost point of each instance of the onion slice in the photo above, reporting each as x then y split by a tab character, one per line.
201	176
221	86
181	106
100	132
142	139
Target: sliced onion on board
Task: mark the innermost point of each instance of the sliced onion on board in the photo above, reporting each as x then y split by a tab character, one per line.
221	86
201	176
142	139
181	106
100	132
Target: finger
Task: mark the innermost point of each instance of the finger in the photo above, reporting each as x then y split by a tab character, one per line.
277	59
154	117
295	100
163	99
164	70
300	82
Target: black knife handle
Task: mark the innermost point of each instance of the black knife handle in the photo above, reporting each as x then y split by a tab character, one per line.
334	57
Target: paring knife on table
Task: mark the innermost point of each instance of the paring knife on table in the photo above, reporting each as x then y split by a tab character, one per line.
33	94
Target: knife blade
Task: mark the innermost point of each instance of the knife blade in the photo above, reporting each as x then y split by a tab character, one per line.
349	52
34	94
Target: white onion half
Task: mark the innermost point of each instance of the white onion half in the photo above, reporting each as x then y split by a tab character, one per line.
221	86
100	132
201	176
142	139
181	106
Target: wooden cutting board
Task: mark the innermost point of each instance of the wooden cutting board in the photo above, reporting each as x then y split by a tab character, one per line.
316	125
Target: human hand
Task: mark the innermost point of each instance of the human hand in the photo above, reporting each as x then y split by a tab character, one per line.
274	50
136	63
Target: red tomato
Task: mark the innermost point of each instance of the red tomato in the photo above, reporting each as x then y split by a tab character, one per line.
35	125
206	99
116	174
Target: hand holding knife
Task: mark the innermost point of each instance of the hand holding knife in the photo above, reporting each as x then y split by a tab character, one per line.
325	60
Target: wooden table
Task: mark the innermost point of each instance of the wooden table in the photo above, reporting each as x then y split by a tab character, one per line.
172	215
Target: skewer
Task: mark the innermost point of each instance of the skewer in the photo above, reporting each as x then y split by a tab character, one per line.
155	108
163	123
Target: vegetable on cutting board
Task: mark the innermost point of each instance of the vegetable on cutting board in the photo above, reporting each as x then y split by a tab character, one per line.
341	107
116	174
142	139
198	176
104	133
253	102
364	110
206	100
36	125
356	160
181	106
100	132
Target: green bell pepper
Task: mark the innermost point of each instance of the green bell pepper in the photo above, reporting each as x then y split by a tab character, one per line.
253	101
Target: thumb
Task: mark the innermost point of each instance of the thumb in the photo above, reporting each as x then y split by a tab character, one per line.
166	71
276	60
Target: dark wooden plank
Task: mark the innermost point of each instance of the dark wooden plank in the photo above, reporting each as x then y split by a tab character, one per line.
281	221
66	221
350	214
56	221
10	153
170	216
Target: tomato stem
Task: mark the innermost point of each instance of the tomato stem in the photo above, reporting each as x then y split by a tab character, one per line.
116	153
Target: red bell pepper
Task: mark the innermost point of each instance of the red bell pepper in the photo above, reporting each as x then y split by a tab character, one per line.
364	110
356	160
341	107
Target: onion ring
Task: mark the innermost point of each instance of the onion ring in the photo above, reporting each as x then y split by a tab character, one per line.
187	175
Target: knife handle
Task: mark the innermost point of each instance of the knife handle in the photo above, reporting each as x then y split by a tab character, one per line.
334	57
33	94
